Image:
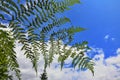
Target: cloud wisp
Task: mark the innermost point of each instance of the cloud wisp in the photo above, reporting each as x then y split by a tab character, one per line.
108	37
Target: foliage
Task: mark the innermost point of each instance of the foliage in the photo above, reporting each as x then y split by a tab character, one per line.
8	62
44	76
35	22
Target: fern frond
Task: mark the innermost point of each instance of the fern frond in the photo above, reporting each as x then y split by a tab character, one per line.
8	60
56	23
43	49
2	16
52	50
73	30
4	10
36	22
13	4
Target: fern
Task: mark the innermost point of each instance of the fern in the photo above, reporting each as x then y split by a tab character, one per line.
35	22
8	62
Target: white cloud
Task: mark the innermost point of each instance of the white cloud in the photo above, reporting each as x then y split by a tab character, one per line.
112	39
108	37
105	69
25	64
118	51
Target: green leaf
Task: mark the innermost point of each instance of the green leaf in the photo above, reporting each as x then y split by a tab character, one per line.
72	2
2	16
4	10
13	4
73	30
18	1
8	62
2	26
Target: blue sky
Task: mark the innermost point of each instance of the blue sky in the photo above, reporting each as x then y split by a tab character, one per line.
101	18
